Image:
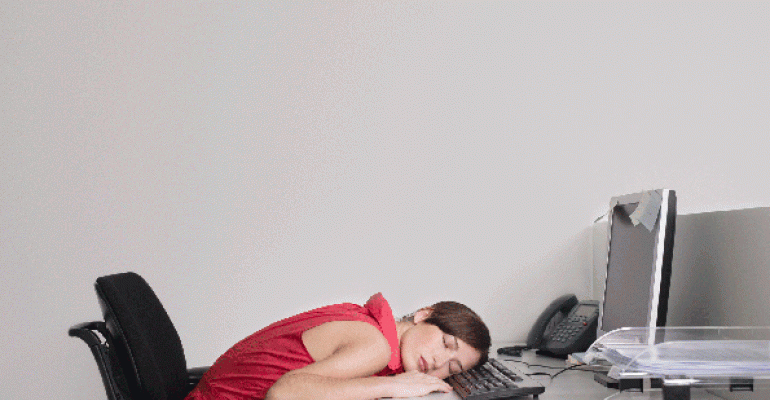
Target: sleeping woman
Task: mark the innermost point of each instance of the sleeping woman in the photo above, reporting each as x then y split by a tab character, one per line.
350	352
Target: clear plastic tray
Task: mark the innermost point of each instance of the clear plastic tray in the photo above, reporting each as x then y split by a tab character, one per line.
692	354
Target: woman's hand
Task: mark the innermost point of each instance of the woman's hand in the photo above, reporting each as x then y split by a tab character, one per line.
414	383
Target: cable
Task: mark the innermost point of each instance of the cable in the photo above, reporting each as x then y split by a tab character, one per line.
567	369
538	365
612	395
562	369
576	367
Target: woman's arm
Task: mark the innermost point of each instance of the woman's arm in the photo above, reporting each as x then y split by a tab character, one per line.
347	353
305	386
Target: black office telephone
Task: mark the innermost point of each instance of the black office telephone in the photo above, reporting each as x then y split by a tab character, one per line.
566	326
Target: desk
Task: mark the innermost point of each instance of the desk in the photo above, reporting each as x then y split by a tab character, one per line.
580	385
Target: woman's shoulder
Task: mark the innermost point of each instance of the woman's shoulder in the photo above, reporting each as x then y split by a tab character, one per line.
350	333
356	337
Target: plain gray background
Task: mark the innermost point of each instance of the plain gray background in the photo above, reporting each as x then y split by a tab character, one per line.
253	160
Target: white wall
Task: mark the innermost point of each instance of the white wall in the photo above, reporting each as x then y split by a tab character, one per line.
253	160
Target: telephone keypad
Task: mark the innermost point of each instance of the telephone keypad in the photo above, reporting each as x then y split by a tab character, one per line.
570	328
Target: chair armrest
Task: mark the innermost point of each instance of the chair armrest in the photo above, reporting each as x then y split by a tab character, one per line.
86	331
101	352
194	376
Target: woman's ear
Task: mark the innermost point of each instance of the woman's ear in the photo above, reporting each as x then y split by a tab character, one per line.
422	314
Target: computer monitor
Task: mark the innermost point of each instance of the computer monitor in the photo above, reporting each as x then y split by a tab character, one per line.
639	258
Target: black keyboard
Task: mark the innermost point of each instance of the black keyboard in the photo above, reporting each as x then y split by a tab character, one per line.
493	380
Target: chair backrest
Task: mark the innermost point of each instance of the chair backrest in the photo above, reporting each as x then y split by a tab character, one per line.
142	338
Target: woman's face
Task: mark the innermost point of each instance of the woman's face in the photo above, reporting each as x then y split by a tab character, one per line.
426	348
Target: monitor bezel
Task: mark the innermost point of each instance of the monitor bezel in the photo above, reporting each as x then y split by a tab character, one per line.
657	307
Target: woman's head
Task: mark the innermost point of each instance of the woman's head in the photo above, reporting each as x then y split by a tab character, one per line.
445	338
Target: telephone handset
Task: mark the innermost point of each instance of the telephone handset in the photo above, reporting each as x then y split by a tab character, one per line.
566	326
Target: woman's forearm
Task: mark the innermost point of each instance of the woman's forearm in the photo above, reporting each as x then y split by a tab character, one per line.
304	386
301	386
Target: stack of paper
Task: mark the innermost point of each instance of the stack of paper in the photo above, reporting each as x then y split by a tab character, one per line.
695	358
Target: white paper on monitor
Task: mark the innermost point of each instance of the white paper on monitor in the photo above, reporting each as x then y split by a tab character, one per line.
646	212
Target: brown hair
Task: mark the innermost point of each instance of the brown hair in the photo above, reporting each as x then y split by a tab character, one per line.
461	322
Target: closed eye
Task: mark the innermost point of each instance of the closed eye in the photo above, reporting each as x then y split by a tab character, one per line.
455	368
450	342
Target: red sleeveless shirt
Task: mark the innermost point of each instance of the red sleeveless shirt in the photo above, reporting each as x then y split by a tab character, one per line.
252	366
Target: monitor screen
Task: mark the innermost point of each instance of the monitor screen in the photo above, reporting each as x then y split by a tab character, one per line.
638	260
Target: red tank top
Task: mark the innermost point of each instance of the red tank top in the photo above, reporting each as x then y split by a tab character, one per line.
250	368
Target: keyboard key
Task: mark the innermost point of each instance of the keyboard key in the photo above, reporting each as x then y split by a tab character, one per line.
493	380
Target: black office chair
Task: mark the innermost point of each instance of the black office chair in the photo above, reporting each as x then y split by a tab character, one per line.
136	347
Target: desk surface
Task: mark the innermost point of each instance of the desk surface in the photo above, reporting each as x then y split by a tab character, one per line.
580	385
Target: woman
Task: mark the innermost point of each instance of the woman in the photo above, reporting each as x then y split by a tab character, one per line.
347	351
